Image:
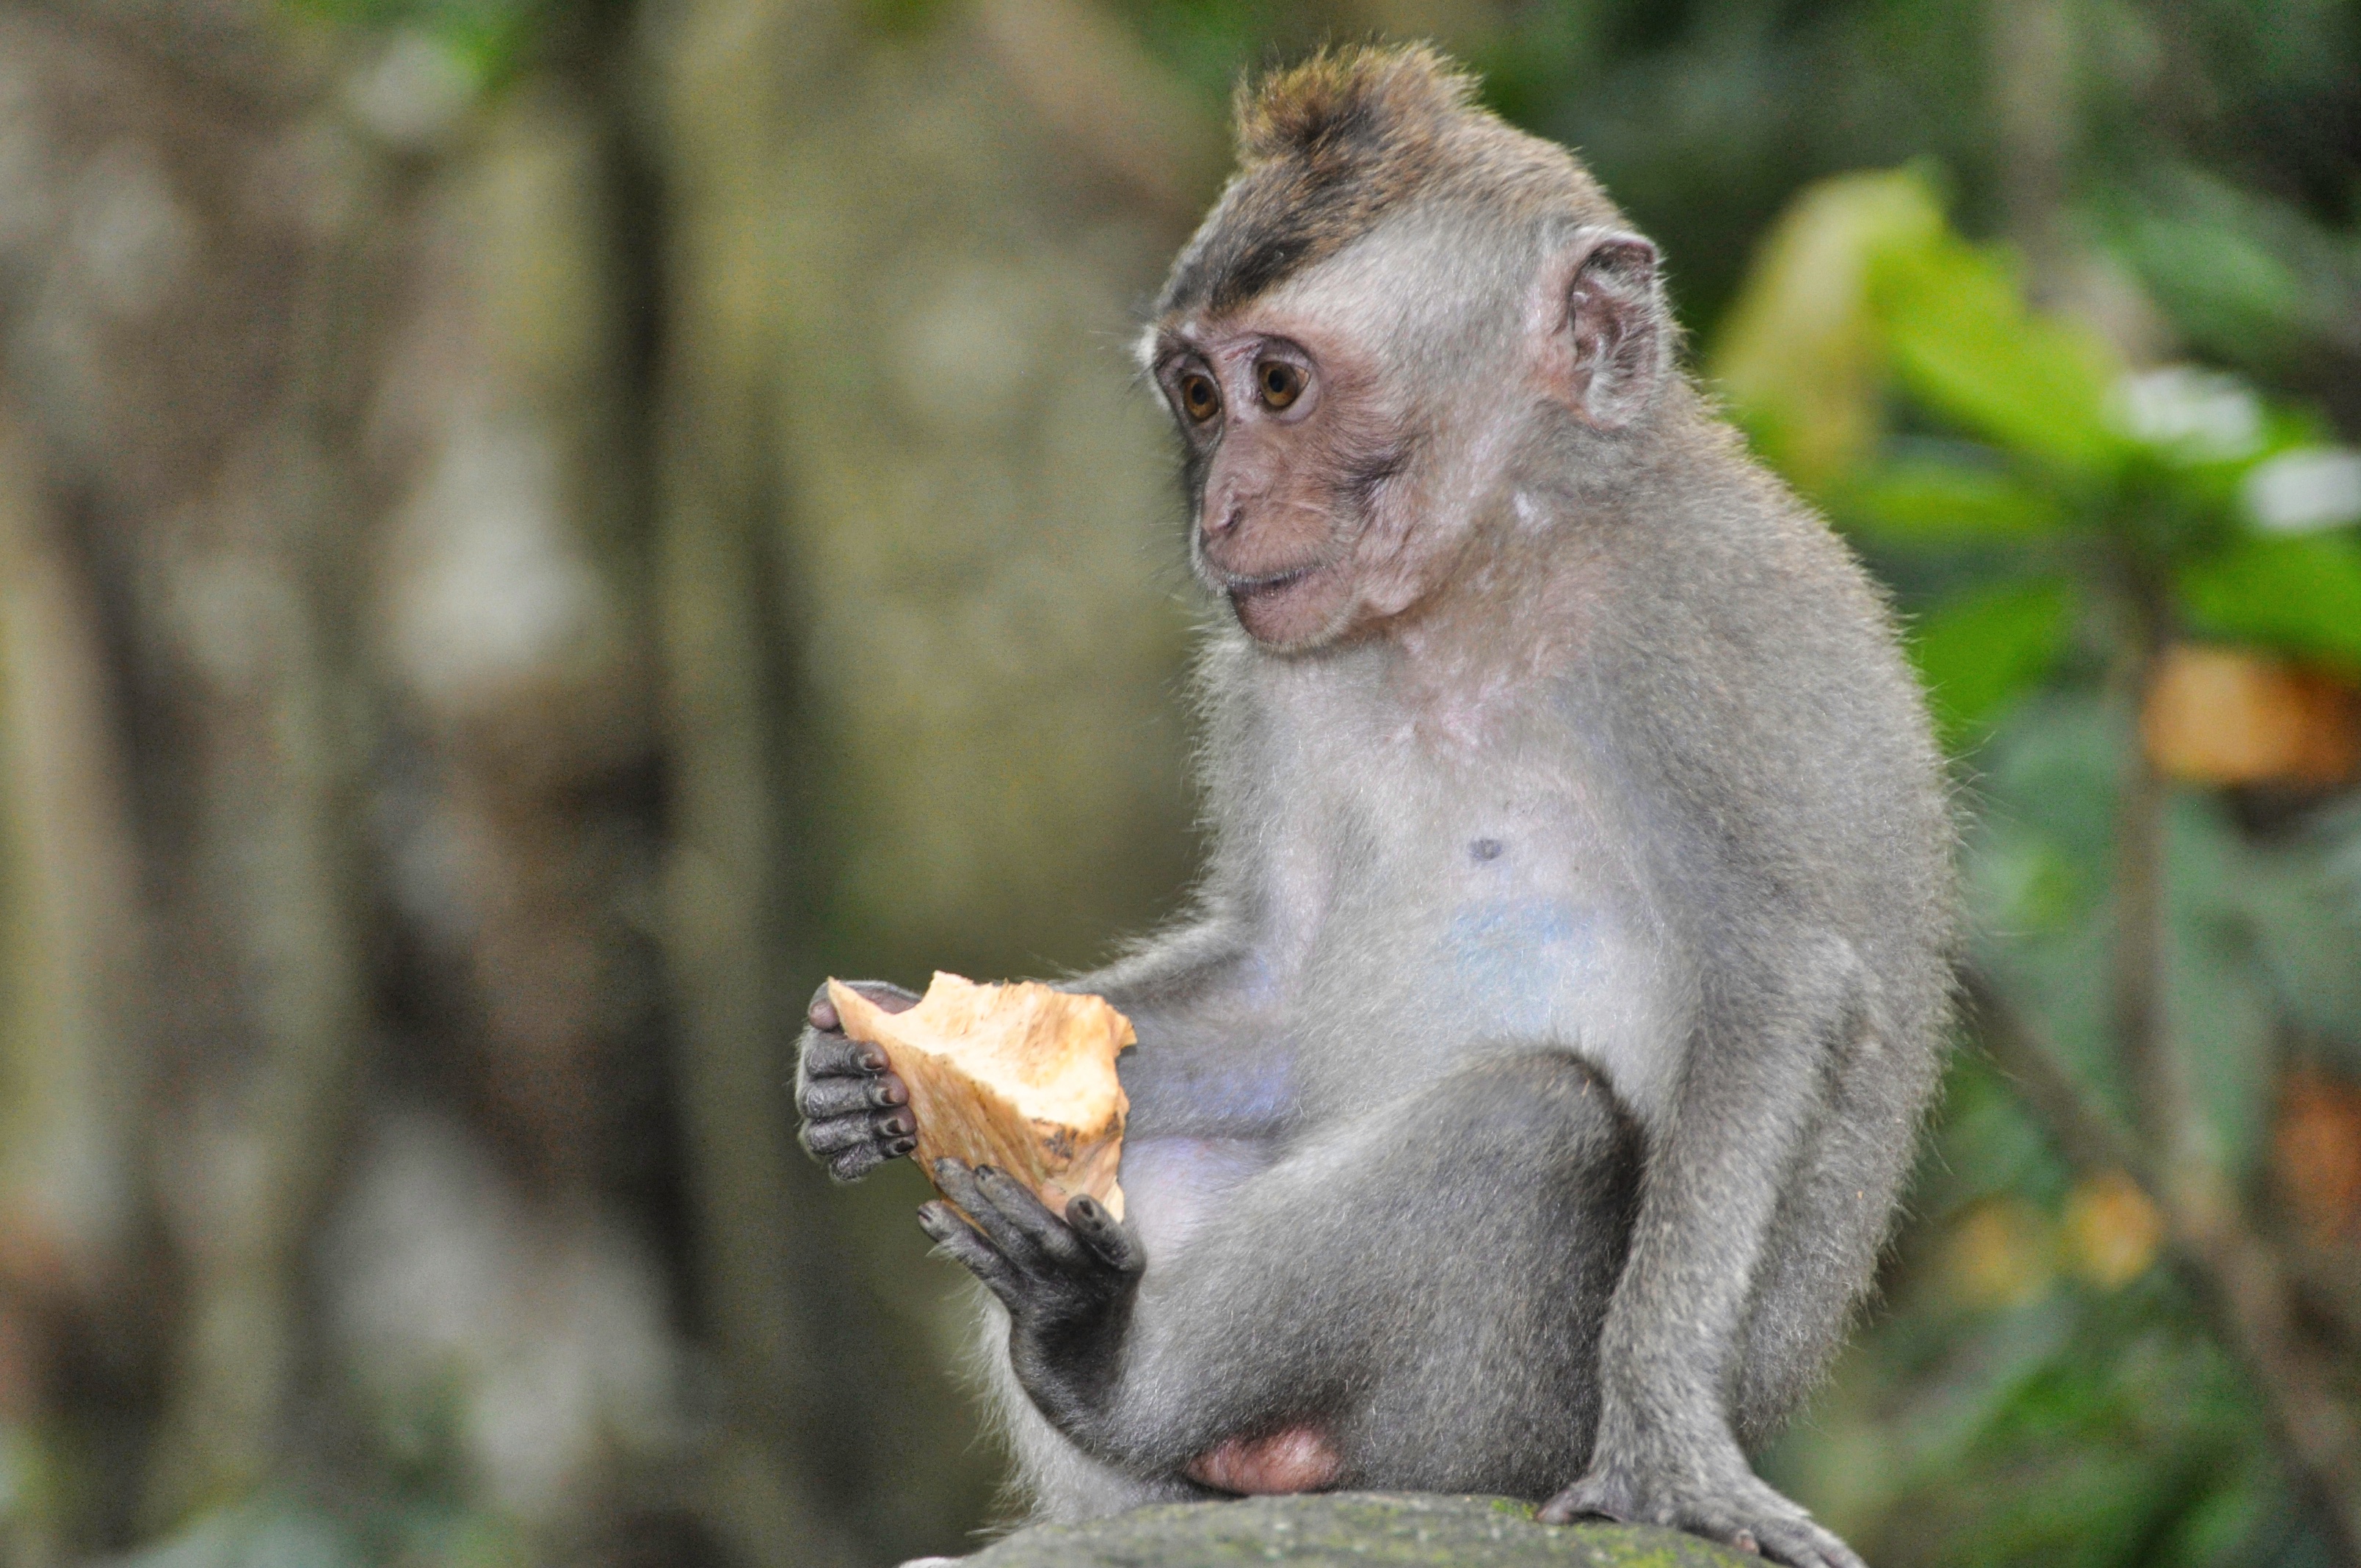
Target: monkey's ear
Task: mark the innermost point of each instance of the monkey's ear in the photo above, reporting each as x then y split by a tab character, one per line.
1599	316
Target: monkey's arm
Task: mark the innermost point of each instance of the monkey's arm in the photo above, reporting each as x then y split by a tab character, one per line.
1175	968
1209	1063
1665	1452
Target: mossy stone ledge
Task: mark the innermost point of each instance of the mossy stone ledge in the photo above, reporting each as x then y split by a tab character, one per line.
1351	1529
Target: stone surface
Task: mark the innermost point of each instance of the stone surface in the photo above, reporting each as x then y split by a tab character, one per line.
1364	1529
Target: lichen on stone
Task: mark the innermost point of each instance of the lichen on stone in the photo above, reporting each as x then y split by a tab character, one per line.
1350	1529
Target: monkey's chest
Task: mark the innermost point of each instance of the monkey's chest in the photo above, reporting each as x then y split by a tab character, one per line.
1497	930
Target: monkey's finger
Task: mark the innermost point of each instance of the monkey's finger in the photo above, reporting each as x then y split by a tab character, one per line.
825	1097
955	1181
1115	1243
852	1164
1708	1519
883	1128
959	1241
1587	1499
1800	1544
834	1056
965	1186
820	1013
1024	1212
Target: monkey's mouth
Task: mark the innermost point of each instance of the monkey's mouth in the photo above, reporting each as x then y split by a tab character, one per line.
1283	610
1246	590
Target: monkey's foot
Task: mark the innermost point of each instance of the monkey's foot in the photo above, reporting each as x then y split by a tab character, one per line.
1297	1459
1743	1512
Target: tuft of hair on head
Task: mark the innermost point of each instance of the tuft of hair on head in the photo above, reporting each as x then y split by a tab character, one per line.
1331	146
1353	105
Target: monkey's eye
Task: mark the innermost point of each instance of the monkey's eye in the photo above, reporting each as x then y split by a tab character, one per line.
1200	398
1279	382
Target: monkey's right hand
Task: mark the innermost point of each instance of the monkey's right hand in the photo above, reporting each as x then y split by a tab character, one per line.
1067	1282
856	1113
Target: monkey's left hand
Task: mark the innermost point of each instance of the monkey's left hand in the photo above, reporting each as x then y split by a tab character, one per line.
1721	1501
1067	1283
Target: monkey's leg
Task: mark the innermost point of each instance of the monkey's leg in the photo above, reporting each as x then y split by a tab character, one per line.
1824	1241
1756	1080
1412	1300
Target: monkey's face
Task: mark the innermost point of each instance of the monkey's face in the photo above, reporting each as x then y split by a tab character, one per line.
1288	456
1346	433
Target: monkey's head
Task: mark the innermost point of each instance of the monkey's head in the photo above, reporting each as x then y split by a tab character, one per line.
1396	298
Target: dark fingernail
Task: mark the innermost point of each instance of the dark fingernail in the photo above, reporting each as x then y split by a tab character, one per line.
823	1015
873	1059
899	1126
892	1094
904	1146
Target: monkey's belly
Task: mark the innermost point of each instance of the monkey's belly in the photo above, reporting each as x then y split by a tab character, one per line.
1171	1185
1478	912
1566	972
1526	967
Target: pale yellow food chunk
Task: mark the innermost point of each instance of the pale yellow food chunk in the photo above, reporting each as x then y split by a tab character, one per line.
1017	1076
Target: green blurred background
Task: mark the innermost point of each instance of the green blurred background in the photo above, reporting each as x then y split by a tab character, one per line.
531	533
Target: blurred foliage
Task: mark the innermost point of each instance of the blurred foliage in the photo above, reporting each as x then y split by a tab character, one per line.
486	40
1893	371
2009	464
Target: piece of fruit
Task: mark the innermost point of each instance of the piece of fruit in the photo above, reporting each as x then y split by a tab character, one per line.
1017	1076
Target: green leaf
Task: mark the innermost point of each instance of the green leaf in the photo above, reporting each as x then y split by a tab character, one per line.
1797	355
1985	649
1947	503
1957	332
2300	593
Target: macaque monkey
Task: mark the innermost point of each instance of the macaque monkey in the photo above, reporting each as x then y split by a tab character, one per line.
1523	1105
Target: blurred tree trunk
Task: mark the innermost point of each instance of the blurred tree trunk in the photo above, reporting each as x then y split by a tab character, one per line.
182	244
72	1207
520	1119
2033	75
333	1039
729	75
921	634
